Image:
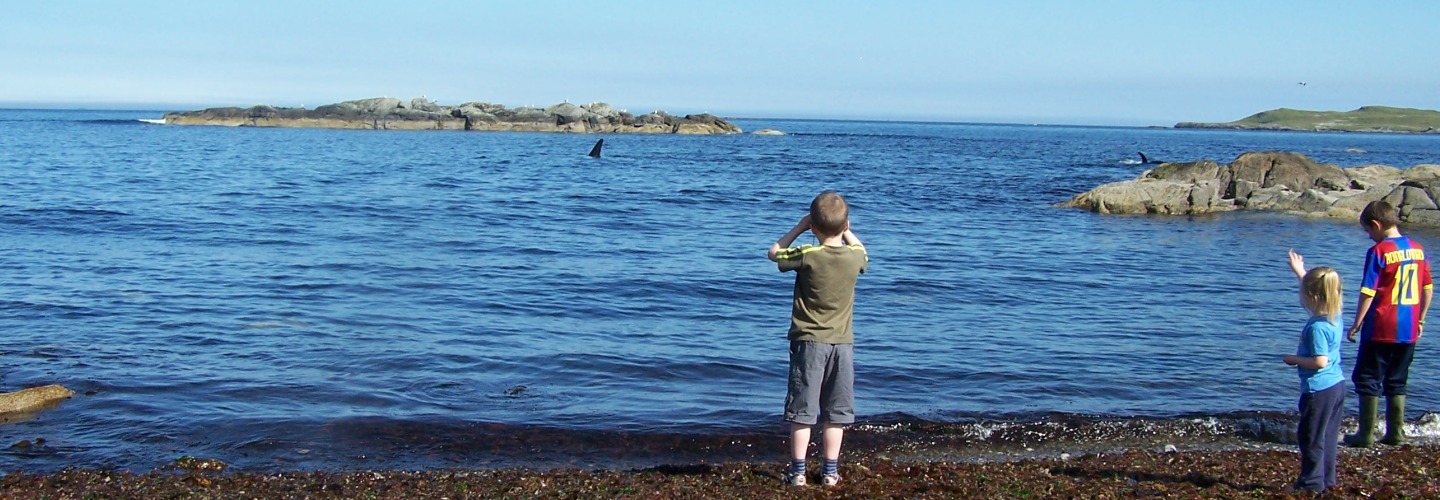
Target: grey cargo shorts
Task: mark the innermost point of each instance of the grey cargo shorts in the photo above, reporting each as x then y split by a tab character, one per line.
822	383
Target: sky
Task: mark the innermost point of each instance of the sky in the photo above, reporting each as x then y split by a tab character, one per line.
1093	62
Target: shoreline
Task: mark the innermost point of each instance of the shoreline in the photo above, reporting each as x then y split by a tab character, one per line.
1282	128
1387	472
429	444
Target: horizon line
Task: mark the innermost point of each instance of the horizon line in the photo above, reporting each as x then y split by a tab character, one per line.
173	107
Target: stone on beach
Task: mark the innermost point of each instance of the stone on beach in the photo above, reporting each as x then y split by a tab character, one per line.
1278	181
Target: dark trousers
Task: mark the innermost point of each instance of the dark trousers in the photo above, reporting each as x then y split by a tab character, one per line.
1319	436
1382	368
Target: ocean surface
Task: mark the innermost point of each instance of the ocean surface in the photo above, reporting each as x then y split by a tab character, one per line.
283	299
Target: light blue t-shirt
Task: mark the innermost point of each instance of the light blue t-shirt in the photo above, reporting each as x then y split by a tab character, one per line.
1320	338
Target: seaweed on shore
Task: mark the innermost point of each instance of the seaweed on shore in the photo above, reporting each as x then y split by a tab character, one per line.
1404	472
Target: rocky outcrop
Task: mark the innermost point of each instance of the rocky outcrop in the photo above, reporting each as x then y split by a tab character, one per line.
1288	182
387	113
32	400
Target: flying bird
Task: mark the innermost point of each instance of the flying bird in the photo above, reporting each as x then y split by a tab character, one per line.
1302	84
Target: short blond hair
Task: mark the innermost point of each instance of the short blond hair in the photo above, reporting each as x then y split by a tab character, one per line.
1320	292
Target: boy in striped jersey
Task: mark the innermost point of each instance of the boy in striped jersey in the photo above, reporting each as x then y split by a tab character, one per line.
1395	294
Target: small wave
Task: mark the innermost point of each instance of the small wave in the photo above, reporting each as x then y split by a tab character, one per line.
1129	162
76	212
157	121
113	121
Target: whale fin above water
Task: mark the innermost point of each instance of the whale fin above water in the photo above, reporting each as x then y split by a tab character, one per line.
595	151
1147	161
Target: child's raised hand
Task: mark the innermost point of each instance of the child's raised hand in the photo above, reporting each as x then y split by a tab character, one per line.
1297	264
804	223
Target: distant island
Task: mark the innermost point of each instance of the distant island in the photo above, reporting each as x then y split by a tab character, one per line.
388	113
1366	119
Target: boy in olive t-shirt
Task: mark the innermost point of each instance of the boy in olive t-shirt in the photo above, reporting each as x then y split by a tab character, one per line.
822	372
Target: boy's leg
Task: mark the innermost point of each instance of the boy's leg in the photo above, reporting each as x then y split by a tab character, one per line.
1367	375
802	404
1397	373
1311	443
838	401
1369	370
838	397
834	434
799	441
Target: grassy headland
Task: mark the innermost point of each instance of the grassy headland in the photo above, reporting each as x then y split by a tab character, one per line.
1366	119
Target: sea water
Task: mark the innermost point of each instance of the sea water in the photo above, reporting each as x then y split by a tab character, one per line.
339	299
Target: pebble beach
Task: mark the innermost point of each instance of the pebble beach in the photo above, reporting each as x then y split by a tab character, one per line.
1400	472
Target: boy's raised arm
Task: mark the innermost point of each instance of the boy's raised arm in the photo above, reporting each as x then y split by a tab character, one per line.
850	239
789	237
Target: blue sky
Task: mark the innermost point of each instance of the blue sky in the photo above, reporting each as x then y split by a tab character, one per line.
1095	62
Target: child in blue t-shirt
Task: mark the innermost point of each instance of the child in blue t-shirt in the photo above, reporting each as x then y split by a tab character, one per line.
1322	385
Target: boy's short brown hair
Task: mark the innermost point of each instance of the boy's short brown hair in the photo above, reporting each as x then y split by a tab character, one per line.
1382	212
829	214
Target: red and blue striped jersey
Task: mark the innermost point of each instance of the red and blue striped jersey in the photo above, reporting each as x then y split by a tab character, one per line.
1396	273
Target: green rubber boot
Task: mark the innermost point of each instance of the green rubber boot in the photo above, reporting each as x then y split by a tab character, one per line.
1365	437
1394	421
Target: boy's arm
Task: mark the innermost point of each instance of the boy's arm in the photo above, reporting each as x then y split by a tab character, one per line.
1425	296
1360	309
850	239
785	241
1369	282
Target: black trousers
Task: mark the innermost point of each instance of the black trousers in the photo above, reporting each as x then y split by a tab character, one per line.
1319	436
1382	368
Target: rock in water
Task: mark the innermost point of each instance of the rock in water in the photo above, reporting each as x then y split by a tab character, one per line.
1270	180
386	113
33	399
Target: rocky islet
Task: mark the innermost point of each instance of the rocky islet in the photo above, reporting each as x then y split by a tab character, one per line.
1270	180
388	113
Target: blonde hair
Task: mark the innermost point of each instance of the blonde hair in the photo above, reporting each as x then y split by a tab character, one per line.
1320	292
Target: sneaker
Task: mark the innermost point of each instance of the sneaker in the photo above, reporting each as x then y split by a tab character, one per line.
830	479
795	479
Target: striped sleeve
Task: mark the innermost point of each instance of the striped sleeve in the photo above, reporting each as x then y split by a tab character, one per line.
1374	267
790	259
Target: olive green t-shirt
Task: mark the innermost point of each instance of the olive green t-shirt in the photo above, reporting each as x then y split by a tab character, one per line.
824	304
